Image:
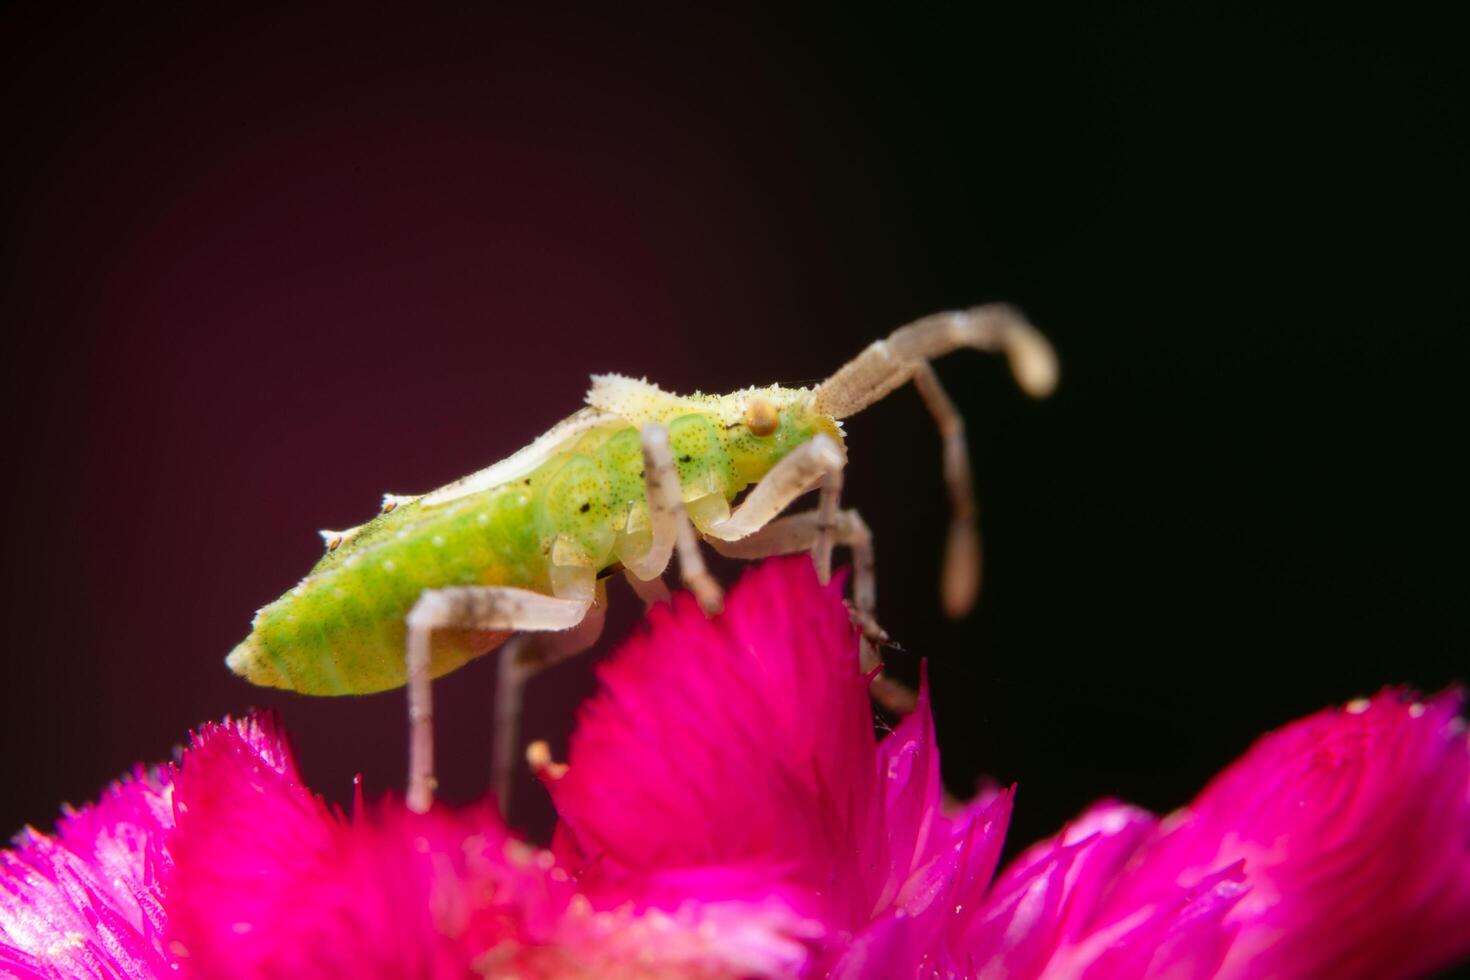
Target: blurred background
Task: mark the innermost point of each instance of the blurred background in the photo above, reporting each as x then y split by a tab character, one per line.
261	270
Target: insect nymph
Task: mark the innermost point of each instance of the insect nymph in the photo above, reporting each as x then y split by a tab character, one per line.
518	549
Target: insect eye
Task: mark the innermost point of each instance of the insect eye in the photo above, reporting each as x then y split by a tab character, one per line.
761	417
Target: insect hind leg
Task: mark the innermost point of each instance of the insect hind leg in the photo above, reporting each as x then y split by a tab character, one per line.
525	656
465	608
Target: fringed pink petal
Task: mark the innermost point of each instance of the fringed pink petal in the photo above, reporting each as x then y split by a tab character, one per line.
1185	938
908	771
1354	828
697	922
745	739
922	932
1029	912
1046	915
268	882
85	903
1075	932
750	736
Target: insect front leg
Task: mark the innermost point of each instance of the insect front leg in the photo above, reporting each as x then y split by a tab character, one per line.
800	470
905	355
467	607
803	532
525	656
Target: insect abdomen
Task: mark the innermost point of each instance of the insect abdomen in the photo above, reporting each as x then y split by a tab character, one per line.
341	630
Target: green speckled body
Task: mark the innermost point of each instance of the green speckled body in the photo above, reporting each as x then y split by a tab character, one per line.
341	629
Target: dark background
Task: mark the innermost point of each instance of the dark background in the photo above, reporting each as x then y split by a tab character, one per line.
261	270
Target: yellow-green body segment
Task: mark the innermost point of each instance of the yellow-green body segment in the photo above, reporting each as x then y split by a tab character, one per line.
574	498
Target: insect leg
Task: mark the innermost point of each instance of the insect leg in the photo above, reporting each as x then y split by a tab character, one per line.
651	591
959	582
886	364
800	532
467	607
525	656
905	355
669	523
827	501
798	471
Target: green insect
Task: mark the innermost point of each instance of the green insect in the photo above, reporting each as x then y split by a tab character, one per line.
521	549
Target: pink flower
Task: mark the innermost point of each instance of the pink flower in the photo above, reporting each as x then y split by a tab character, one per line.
86	902
727	811
1351	832
228	867
749	739
269	883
